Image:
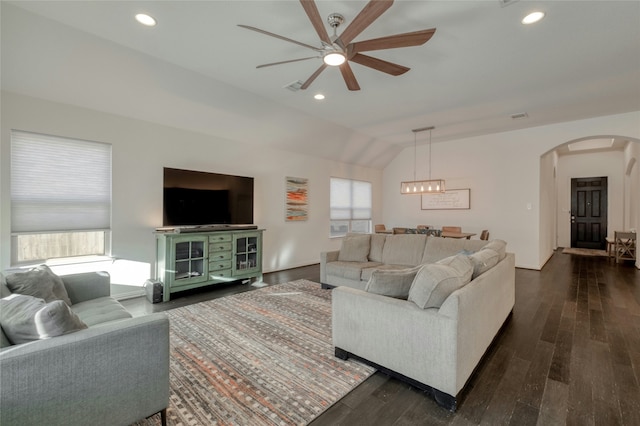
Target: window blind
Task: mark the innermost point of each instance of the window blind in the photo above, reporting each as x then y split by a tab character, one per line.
350	199
59	184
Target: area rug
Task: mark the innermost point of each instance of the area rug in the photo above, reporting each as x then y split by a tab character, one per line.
584	252
262	357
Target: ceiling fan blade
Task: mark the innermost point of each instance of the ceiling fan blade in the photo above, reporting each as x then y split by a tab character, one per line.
367	15
379	64
311	9
349	77
415	38
308	46
313	77
286	62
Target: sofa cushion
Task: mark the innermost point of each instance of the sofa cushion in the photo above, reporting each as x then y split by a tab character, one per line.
403	249
377	245
100	310
27	318
348	270
433	284
462	264
38	282
499	246
392	283
437	248
483	260
355	248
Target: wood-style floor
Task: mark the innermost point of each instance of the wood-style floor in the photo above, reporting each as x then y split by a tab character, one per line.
570	354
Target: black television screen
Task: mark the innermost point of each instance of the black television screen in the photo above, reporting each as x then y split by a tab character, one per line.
201	198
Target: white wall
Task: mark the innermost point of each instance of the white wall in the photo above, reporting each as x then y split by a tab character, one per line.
503	171
141	150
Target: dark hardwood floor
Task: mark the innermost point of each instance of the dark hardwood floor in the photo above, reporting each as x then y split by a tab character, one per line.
570	354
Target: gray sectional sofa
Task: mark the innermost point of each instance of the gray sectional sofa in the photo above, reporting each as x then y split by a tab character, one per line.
424	309
87	363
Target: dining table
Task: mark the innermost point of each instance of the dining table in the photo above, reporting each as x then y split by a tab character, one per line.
460	235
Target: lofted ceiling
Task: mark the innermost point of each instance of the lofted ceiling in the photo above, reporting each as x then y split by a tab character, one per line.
197	69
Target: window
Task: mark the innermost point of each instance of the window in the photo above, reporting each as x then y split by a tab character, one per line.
60	197
350	206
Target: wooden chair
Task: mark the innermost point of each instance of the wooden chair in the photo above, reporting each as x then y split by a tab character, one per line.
484	235
379	228
457	229
399	230
625	246
424	227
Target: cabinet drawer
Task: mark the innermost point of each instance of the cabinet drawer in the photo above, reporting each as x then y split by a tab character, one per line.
217	256
219	246
219	238
216	275
219	266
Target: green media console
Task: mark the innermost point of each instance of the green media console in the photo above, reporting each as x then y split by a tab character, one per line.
186	260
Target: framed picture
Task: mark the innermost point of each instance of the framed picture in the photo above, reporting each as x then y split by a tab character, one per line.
453	199
297	192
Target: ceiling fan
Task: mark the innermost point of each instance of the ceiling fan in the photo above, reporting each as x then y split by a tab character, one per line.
340	50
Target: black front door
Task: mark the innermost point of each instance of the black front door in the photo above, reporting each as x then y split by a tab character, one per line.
589	212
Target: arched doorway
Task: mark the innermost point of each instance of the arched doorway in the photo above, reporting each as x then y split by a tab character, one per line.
613	156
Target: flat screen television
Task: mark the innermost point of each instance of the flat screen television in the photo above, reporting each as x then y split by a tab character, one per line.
202	198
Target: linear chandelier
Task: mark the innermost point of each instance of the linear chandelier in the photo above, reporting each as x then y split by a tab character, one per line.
428	186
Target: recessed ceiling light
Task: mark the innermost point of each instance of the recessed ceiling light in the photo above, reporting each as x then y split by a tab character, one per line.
145	19
318	96
532	18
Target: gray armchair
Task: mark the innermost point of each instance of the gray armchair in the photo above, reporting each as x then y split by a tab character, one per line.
113	373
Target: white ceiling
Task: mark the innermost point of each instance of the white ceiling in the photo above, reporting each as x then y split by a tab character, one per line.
196	68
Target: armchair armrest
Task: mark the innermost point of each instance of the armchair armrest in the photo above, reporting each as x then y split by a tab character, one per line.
115	373
87	285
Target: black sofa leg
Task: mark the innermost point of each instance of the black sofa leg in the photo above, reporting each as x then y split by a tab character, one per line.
342	354
445	400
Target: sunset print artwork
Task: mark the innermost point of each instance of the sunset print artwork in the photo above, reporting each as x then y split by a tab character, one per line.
297	199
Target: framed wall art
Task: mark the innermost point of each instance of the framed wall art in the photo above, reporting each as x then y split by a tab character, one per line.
297	203
453	199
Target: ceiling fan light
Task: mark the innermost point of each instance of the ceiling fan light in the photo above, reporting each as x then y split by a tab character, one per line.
334	59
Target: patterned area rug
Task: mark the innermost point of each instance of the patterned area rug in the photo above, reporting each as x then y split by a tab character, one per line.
584	252
261	357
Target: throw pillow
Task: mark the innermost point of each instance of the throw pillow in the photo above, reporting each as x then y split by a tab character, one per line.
433	284
483	260
4	290
355	248
392	283
499	246
462	264
27	318
39	282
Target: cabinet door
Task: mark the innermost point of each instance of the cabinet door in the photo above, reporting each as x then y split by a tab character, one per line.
189	255
247	259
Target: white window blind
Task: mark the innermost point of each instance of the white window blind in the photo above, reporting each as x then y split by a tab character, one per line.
350	199
350	204
59	184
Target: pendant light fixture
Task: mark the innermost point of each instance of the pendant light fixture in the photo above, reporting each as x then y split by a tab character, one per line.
429	185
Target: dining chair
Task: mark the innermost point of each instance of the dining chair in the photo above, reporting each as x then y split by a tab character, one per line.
399	230
452	229
625	246
484	235
380	228
424	227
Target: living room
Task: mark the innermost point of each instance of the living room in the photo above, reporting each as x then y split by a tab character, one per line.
60	80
